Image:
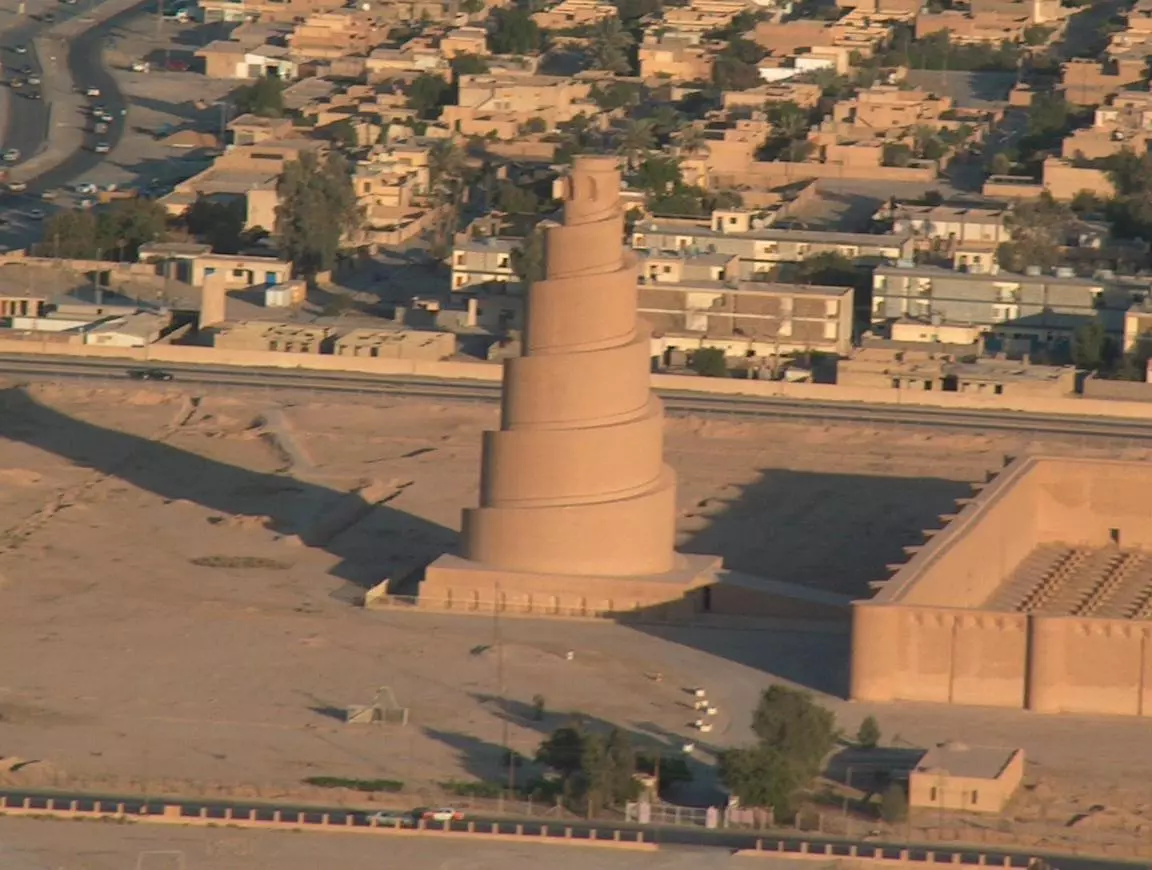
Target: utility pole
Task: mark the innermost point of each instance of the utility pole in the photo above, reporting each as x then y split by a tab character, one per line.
498	643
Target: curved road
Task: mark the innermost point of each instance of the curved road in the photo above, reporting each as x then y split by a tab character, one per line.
26	127
676	401
783	842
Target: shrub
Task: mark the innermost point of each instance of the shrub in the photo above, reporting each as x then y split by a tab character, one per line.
868	737
369	785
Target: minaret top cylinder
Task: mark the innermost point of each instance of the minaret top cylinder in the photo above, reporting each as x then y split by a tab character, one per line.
593	189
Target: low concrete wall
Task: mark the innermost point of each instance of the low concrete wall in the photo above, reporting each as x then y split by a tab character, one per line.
1071	405
292	821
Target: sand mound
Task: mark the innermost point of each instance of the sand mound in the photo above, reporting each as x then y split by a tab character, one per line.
19	477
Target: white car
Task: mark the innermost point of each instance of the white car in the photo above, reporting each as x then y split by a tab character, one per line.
101	147
85	187
20	49
392	819
85	204
92	91
141	66
33	80
17	186
11	155
442	814
37	214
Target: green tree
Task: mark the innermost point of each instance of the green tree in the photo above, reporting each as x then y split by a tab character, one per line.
610	46
868	735
595	768
1036	34
789	121
317	208
468	65
513	32
514	199
658	174
219	224
343	133
894	804
799	150
70	235
472	7
129	223
1001	164
264	97
636	137
761	777
789	722
615	95
709	362
528	259
1090	346
896	154
539	707
426	93
534	125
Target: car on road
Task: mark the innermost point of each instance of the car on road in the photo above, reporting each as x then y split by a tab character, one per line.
92	91
177	66
48	17
85	187
17	186
36	214
149	375
441	814
85	203
33	80
27	70
141	66
32	95
48	195
20	49
393	818
16	82
11	155
100	127
101	147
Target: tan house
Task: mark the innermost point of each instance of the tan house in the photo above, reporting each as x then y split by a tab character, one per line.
883	107
573	13
464	40
484	261
263	10
676	57
224	59
329	35
956	776
1089	83
489	103
395	344
270	336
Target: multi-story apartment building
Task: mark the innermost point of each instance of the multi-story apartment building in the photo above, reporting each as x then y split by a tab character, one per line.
953	224
1043	308
761	318
488	260
759	248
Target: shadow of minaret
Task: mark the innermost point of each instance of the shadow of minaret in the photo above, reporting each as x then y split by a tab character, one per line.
291	506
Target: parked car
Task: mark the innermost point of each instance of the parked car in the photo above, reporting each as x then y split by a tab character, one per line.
17	186
177	66
442	814
48	17
149	375
393	818
85	187
141	66
16	82
85	203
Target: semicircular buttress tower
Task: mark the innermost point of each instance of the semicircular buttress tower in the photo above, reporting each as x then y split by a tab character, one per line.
577	508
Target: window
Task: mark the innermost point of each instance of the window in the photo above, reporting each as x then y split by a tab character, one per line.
975	797
932	794
502	261
238	273
998	389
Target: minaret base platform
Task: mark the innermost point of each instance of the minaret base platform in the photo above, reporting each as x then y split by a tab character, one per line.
454	584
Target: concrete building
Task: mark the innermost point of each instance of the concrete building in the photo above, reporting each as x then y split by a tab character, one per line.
756	317
940	370
573	13
267	335
760	248
503	103
17	303
196	264
395	344
484	261
578	456
1036	595
1044	308
225	59
971	779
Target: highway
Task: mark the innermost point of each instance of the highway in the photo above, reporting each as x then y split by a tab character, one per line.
677	402
784	842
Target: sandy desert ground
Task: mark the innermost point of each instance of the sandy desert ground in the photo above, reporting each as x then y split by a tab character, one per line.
177	572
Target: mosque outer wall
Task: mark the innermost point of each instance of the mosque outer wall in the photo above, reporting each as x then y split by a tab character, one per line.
925	638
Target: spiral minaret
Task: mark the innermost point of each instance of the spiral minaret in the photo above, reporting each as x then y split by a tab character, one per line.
574	481
577	509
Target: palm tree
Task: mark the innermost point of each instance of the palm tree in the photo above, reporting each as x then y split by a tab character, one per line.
610	44
691	141
636	138
445	166
790	121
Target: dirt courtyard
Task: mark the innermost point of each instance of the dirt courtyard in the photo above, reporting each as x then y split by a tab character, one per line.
176	573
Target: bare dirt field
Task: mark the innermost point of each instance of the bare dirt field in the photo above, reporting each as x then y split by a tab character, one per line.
176	573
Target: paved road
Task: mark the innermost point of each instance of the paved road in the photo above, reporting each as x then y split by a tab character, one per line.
26	127
677	402
782	842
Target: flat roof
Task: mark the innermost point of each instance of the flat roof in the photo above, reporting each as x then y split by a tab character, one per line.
770	234
962	760
1000	277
